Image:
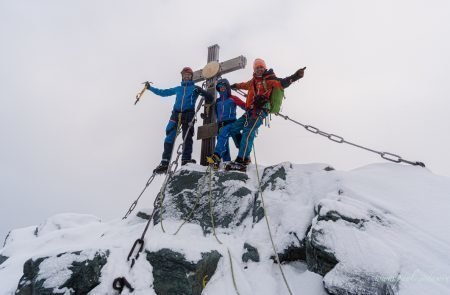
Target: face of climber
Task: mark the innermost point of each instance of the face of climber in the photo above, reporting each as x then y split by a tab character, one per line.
222	88
186	76
259	71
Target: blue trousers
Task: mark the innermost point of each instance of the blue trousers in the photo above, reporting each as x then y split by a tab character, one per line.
222	148
248	124
171	132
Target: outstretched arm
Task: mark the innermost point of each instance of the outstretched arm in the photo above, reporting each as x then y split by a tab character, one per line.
243	85
286	82
208	97
162	92
239	102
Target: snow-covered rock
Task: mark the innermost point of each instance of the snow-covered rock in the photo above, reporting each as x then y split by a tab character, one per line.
380	229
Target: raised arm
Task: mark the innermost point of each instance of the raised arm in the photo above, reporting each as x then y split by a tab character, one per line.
162	92
243	85
286	82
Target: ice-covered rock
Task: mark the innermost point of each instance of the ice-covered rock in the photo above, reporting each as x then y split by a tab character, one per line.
66	273
189	197
344	245
65	221
378	230
173	274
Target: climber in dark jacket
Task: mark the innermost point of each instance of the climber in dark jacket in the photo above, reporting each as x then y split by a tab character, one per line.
225	107
182	114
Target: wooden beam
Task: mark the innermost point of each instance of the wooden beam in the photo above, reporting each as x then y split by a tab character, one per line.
228	66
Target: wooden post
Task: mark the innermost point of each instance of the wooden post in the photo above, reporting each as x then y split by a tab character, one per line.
209	115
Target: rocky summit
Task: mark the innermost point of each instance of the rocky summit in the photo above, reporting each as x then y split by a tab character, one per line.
299	229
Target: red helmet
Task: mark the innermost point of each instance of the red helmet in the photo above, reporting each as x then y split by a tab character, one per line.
187	70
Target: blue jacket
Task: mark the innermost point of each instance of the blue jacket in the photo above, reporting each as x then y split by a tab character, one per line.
186	95
226	107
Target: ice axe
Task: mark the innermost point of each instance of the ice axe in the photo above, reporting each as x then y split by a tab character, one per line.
139	95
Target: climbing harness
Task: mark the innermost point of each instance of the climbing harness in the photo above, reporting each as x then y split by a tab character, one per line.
268	225
339	139
139	95
250	132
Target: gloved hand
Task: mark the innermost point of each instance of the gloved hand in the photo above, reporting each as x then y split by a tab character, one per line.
298	74
233	86
260	101
147	84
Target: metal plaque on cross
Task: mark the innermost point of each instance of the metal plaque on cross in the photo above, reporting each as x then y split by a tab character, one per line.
211	73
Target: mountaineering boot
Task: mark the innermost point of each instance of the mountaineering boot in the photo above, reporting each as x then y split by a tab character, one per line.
214	161
237	165
187	161
162	167
247	161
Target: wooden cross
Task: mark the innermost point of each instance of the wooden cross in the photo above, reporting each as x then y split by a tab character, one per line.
211	73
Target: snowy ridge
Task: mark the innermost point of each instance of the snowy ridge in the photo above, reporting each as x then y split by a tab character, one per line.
380	226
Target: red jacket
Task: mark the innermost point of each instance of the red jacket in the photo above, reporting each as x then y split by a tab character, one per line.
256	87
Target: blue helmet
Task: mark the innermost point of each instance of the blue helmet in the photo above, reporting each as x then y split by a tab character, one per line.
224	82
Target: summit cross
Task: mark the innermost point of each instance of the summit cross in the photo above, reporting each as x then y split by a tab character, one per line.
212	72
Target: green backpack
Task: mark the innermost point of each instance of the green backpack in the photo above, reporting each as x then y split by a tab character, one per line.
276	99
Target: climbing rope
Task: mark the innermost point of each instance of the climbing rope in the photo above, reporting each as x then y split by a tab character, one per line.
214	229
174	164
211	207
339	139
268	225
232	273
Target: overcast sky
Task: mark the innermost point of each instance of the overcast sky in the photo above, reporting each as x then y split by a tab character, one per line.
72	140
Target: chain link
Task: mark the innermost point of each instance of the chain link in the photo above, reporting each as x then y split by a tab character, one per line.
134	204
160	197
339	139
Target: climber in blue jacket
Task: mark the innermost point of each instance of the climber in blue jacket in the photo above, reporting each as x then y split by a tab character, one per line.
225	107
182	114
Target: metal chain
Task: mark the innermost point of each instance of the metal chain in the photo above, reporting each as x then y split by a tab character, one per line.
120	283
159	198
150	180
139	243
174	165
339	139
133	205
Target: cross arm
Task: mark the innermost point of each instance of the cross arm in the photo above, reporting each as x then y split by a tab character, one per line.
228	66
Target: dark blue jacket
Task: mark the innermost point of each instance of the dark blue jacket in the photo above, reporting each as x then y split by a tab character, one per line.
226	107
186	95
